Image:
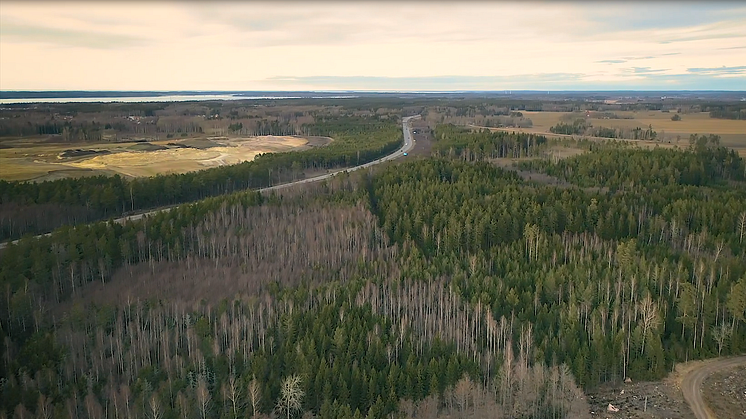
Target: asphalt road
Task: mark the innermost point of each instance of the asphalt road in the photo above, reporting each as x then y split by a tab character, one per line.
406	147
691	385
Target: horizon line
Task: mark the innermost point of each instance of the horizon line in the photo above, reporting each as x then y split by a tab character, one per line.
354	91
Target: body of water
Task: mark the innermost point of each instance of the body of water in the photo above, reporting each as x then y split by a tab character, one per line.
166	98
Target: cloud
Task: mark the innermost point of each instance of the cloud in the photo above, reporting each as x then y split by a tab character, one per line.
626	17
703	37
646	70
718	70
452	82
24	33
633	58
249	45
639	58
642	78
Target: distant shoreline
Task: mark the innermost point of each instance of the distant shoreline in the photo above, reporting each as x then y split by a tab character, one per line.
130	97
48	94
81	96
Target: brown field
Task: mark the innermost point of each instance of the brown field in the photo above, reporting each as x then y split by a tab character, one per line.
732	132
37	159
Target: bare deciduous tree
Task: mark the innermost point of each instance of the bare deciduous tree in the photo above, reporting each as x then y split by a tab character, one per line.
44	408
650	319
721	334
154	407
232	393
255	396
203	398
463	392
291	395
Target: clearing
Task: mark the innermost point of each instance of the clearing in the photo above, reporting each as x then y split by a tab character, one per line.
731	132
724	391
38	159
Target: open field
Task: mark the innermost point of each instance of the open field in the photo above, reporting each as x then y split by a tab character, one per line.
37	159
732	132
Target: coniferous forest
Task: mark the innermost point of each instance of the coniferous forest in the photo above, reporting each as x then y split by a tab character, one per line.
434	286
33	208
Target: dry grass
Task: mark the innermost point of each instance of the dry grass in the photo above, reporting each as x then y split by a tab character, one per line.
732	132
37	160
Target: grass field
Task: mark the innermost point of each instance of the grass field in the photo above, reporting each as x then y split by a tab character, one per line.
37	159
732	132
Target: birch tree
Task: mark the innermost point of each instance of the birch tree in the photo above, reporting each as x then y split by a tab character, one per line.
291	396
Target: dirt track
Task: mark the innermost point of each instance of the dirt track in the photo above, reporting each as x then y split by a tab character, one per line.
691	385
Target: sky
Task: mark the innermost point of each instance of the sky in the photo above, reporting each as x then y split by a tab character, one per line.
372	45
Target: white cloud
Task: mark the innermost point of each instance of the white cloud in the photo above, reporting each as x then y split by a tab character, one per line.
239	46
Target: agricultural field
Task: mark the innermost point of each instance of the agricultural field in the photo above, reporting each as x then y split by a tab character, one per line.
37	159
732	132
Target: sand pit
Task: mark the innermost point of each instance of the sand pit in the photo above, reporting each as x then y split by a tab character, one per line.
180	160
142	159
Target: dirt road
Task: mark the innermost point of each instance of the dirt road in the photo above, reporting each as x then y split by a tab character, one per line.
691	385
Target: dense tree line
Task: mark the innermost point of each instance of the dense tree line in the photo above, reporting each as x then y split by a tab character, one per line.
729	111
363	345
577	127
24	206
582	127
700	165
433	288
583	269
451	140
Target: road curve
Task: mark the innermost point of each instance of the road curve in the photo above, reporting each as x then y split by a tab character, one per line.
691	385
406	147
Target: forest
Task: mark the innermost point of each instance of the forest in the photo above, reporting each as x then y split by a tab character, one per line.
440	286
582	127
39	207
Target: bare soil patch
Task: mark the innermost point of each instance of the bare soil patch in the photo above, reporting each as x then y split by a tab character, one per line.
664	401
36	159
725	393
423	138
83	153
315	141
195	155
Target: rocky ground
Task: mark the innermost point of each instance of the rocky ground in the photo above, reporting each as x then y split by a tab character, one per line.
664	401
725	393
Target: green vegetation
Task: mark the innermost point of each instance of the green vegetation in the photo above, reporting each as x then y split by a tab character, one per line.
737	111
701	165
578	127
39	207
456	141
437	287
582	127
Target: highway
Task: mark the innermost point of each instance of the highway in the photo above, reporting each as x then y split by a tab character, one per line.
406	147
691	385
